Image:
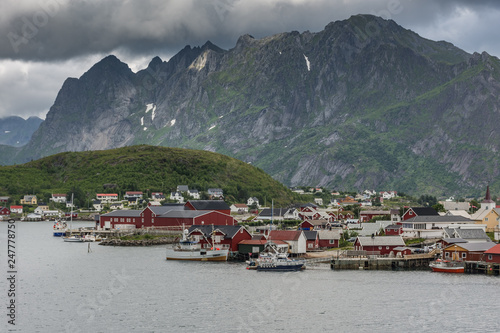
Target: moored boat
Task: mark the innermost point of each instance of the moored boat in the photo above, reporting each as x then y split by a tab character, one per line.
59	228
447	266
187	249
273	260
73	239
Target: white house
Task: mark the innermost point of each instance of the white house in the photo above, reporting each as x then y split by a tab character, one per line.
318	201
239	208
107	197
58	198
177	196
195	194
432	226
215	193
253	200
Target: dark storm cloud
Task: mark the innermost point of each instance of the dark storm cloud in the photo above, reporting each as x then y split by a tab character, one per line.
42	42
62	29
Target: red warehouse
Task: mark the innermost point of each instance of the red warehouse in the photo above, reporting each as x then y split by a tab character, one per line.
222	236
382	245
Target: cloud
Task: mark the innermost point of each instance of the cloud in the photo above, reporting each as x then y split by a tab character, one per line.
42	42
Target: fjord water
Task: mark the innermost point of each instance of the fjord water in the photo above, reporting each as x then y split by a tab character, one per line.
61	287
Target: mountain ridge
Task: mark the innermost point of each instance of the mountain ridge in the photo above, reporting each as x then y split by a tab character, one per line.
363	103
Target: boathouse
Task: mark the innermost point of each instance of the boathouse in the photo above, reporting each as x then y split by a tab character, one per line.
467	251
382	245
222	236
329	238
217	205
296	239
492	255
172	216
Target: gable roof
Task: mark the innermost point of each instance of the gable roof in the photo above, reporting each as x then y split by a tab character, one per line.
290	235
311	234
381	241
273	212
209	204
329	234
438	219
124	213
474	247
471	234
425	211
494	250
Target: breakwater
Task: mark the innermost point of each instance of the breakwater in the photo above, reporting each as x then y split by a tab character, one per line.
138	242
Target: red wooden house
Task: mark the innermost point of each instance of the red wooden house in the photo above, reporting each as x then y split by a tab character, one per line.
222	236
329	238
467	251
4	211
314	225
394	230
492	255
163	216
382	245
367	215
419	211
312	240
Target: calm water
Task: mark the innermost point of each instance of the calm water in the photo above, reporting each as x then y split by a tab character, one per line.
63	288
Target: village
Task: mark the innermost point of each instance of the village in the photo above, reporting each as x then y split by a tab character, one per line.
302	230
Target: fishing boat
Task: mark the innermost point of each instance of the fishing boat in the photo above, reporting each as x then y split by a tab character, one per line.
447	266
271	259
188	249
59	228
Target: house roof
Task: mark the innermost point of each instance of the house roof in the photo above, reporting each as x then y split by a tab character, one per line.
493	250
329	234
454	240
471	234
189	214
311	234
290	235
425	211
481	213
240	205
474	247
182	188
209	204
394	226
259	241
375	212
228	230
273	212
125	213
381	241
160	210
438	219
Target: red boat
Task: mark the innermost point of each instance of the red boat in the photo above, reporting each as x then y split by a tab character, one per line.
446	266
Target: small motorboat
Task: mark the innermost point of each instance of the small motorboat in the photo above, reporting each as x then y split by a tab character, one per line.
447	266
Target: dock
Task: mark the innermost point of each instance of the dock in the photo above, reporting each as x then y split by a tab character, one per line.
481	267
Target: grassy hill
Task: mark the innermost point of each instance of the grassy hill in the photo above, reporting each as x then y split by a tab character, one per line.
140	168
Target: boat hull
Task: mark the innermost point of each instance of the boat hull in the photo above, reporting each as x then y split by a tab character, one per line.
448	269
59	233
447	266
278	268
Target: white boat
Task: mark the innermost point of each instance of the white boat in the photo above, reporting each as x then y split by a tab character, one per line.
73	239
187	249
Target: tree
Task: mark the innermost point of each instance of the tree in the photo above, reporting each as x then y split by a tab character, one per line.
439	208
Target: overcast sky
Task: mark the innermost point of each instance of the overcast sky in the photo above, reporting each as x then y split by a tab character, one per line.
42	42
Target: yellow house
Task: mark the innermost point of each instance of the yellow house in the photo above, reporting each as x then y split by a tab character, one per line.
487	214
29	200
488	217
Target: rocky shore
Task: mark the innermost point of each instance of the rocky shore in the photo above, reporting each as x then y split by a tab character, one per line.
139	242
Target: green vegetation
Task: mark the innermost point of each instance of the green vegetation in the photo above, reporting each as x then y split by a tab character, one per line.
414	241
140	168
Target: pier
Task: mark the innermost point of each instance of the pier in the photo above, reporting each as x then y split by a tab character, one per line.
481	267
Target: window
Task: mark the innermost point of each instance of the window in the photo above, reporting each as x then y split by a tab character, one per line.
380	247
485	219
464	255
309	246
387	248
490	257
447	254
152	220
332	241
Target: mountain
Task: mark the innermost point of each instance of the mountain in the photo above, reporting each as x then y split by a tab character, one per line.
141	168
363	103
16	131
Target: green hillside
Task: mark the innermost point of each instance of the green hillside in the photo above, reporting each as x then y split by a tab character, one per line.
140	168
